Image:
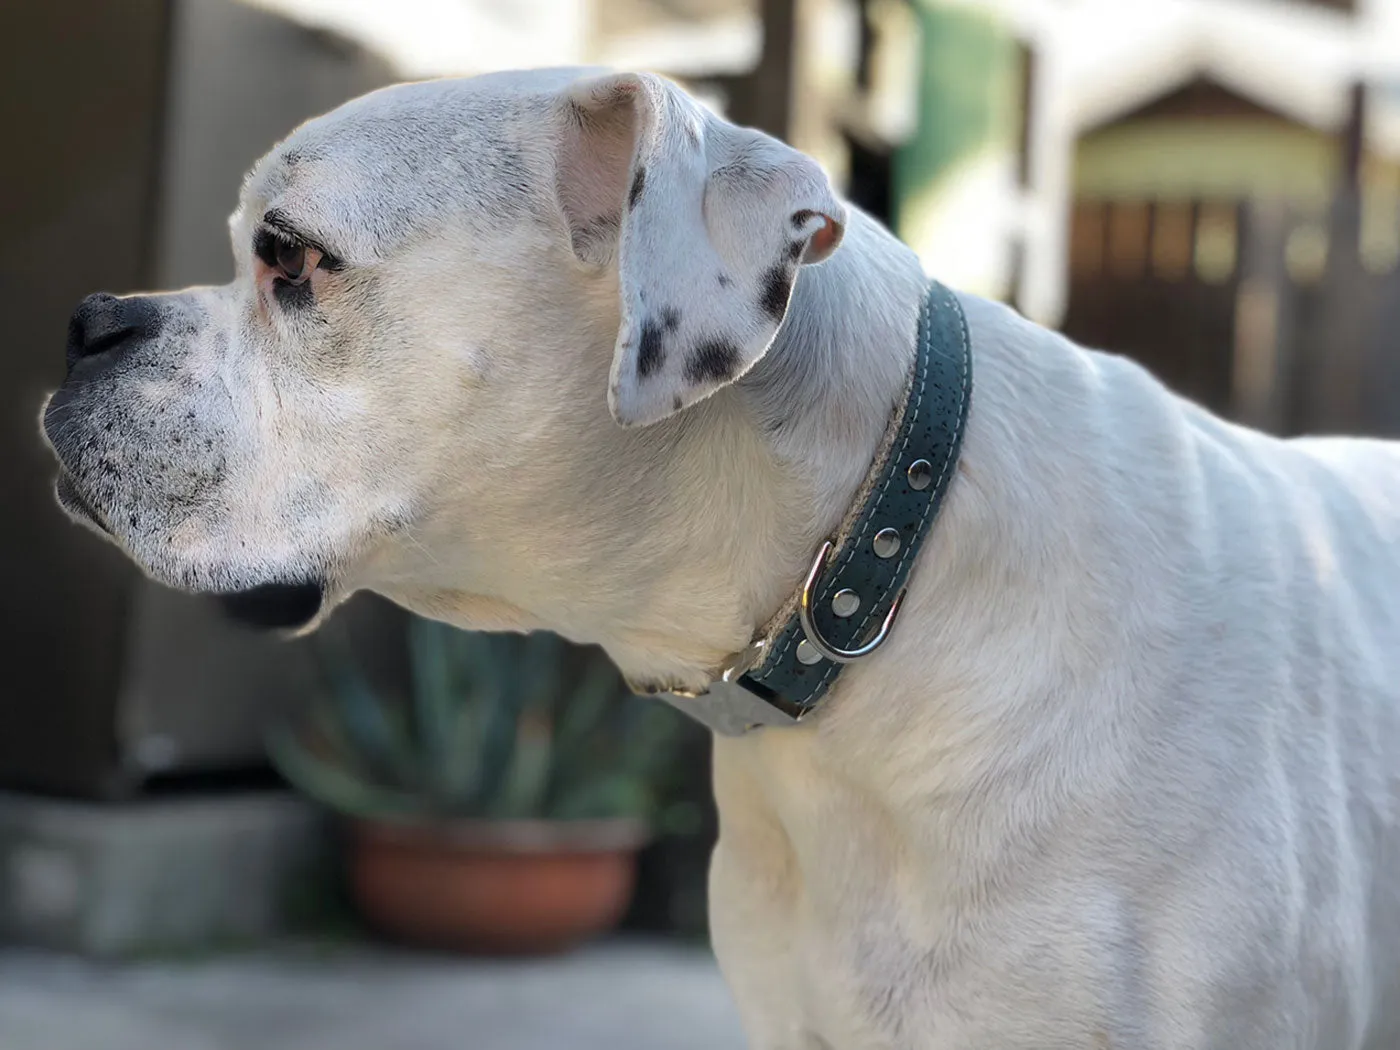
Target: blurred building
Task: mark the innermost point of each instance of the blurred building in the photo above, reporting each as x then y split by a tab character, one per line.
1098	99
1208	185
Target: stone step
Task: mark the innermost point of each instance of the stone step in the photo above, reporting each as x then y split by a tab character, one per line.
113	879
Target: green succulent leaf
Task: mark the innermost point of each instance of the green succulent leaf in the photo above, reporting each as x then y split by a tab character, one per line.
615	795
489	725
332	784
377	732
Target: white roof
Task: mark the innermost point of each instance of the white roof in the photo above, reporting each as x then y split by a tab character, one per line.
1105	58
429	38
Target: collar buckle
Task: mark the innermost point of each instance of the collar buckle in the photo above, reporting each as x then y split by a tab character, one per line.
744	661
809	628
749	658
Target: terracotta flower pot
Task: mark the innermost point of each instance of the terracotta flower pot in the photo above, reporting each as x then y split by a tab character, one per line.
507	887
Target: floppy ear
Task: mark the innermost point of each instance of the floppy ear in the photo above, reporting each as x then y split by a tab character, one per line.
708	224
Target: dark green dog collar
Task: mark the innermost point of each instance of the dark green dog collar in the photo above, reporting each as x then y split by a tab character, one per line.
851	597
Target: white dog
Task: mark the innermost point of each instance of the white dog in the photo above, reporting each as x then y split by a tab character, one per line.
1127	771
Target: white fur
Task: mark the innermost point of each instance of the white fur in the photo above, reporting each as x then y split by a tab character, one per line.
1127	773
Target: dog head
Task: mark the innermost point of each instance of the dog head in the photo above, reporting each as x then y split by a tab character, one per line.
441	291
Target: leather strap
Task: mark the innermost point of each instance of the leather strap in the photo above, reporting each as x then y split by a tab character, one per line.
877	544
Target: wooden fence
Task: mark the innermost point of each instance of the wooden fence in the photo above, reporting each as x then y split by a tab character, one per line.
1261	311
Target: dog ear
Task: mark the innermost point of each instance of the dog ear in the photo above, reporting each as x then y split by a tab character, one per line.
707	224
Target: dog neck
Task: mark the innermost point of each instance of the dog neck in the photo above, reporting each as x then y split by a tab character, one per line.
678	541
826	389
810	417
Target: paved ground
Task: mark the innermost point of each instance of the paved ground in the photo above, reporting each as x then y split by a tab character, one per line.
619	996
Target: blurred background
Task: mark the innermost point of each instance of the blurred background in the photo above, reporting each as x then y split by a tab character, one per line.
397	835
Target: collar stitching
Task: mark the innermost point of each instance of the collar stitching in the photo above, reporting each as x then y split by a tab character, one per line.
864	496
833	579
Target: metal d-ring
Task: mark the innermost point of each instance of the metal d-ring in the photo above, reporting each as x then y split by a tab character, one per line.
809	627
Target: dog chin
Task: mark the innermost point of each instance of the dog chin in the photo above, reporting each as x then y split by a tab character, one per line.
287	605
76	506
292	606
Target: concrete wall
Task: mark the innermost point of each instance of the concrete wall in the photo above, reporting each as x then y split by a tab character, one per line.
136	122
80	97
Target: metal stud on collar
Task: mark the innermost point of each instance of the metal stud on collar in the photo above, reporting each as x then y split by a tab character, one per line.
845	603
920	475
886	543
809	627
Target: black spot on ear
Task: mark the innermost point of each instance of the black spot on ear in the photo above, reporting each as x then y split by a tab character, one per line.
777	286
677	404
796	250
715	360
651	352
801	218
725	280
639	182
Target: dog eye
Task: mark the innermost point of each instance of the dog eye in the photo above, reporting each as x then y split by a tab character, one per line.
291	260
294	262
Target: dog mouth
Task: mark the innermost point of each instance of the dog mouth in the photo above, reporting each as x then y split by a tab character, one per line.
72	500
269	606
275	606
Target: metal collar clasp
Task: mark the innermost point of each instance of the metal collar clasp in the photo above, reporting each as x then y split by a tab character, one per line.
809	627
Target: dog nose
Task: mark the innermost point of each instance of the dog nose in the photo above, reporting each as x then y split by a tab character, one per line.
103	323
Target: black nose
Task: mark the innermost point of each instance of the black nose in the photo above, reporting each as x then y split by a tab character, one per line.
104	323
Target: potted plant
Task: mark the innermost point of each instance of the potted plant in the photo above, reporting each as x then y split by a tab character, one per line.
498	805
